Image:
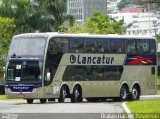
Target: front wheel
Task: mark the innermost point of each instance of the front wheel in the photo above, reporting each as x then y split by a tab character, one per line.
29	101
43	100
62	96
76	96
135	94
124	93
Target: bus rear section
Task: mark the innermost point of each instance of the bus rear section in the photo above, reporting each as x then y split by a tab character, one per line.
125	69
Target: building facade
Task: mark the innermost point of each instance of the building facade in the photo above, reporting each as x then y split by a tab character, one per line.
112	6
141	23
82	9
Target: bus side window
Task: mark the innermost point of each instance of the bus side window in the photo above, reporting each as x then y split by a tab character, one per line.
63	44
103	45
76	45
142	46
117	46
90	45
152	46
131	48
52	50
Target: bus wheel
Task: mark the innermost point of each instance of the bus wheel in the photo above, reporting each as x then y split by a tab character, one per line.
76	96
135	93
43	100
63	94
123	93
29	101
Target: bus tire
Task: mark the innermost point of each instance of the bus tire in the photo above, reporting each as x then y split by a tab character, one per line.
63	94
76	96
124	93
29	101
135	94
43	100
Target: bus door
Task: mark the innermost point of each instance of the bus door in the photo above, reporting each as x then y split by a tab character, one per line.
52	62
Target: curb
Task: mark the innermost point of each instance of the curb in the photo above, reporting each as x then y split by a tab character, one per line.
129	114
147	97
11	101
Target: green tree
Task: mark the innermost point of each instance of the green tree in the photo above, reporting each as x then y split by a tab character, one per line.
57	10
154	4
42	15
122	4
7	30
98	24
158	38
20	10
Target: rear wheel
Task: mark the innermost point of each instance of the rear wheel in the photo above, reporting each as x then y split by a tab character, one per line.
77	95
29	101
63	94
43	100
135	94
124	93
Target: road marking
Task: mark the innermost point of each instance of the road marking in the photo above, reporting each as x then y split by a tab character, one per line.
130	116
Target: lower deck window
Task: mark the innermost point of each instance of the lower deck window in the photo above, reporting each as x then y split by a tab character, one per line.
92	73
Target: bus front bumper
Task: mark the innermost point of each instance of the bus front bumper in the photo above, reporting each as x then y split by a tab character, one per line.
24	95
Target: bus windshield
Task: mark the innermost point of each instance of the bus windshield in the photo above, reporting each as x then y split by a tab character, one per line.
27	46
24	71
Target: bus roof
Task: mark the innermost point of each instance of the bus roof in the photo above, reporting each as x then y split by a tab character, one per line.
56	34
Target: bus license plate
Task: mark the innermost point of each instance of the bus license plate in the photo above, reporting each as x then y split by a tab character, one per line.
20	95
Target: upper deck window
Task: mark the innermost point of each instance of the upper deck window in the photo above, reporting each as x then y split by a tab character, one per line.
76	45
63	44
103	45
90	45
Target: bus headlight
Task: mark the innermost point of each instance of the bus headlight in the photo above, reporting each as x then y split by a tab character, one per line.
7	89
37	89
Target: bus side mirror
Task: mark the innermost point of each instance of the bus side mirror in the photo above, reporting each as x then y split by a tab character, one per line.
48	76
4	76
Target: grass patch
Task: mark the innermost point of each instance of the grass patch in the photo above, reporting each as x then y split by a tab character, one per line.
4	98
146	106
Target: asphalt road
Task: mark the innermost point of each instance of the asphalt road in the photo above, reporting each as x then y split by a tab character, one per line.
55	110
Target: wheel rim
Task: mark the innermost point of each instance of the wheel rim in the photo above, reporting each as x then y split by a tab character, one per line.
76	94
64	94
134	93
123	93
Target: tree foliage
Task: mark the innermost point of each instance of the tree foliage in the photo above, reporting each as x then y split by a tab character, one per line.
97	24
153	4
7	30
158	38
19	10
122	4
41	15
27	16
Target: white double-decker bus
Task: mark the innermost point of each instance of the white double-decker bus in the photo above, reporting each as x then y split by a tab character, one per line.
50	66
